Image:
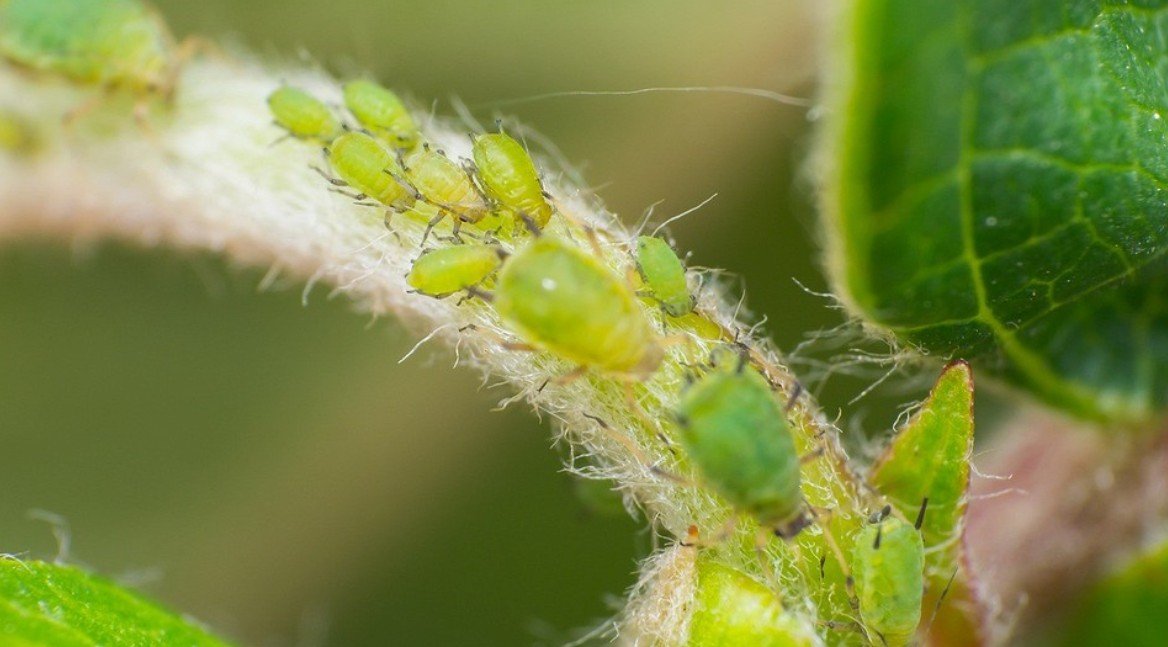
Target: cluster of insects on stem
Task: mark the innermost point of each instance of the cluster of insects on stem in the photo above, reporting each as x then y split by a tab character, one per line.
494	234
560	296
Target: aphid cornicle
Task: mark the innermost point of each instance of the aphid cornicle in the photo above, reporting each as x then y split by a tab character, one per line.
364	164
447	270
303	115
381	112
112	43
563	300
444	184
737	436
508	175
664	275
888	564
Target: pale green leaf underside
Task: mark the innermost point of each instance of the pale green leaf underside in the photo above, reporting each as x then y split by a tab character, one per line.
61	606
1002	188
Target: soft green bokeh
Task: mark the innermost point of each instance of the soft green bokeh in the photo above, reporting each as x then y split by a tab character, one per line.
269	467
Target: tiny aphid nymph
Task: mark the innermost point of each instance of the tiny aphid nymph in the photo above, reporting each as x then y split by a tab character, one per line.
888	564
111	43
448	270
303	115
558	298
382	113
508	175
444	184
736	434
664	275
367	166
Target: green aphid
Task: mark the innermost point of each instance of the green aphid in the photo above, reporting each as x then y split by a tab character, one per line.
508	175
303	115
448	270
364	164
664	275
381	112
558	298
112	43
731	608
446	185
888	564
736	434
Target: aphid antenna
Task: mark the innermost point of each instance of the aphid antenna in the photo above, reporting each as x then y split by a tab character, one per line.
646	217
684	214
921	515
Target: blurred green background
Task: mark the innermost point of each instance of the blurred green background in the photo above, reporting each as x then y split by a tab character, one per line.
270	468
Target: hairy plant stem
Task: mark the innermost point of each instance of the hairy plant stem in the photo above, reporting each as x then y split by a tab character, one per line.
211	173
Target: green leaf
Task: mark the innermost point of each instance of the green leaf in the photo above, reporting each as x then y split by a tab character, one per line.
998	186
929	458
61	606
1128	607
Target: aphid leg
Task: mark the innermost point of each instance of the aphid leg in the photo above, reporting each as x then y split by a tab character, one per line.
571	376
634	405
530	224
793	398
479	293
937	607
430	225
624	440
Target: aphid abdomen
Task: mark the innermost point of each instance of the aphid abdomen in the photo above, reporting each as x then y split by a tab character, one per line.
445	184
302	114
364	164
508	175
738	437
559	298
450	269
382	112
889	578
110	42
664	274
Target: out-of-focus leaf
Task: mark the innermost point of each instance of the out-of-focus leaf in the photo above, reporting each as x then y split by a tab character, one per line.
929	458
1129	607
999	187
61	606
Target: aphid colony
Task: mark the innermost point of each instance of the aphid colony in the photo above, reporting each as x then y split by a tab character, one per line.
550	291
560	296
